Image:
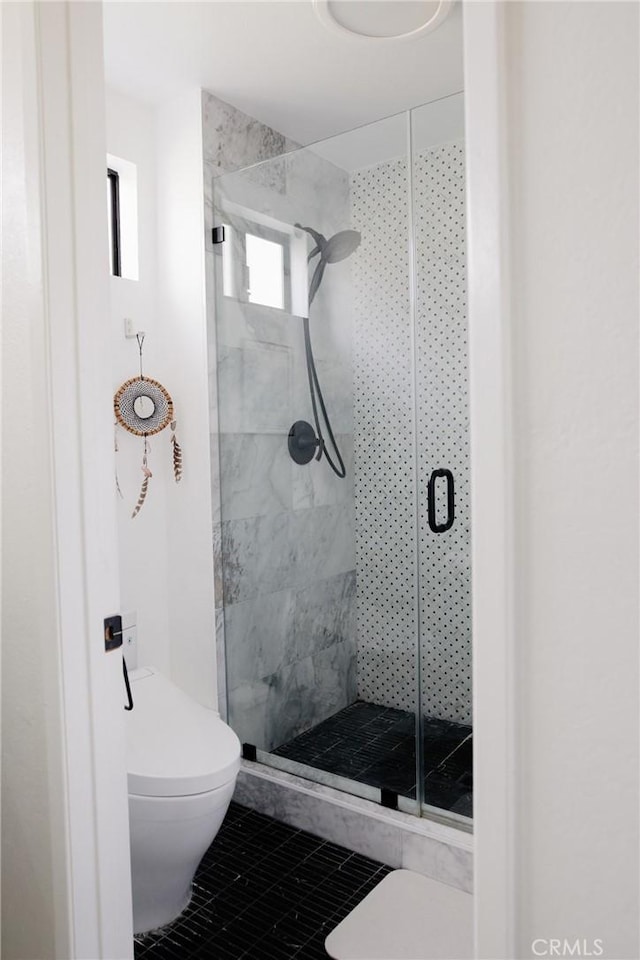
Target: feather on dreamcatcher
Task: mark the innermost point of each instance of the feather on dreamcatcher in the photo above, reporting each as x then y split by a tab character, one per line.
144	407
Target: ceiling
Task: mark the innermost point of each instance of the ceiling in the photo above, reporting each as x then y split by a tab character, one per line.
277	61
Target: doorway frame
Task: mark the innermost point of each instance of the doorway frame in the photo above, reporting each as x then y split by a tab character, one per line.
492	480
62	104
74	249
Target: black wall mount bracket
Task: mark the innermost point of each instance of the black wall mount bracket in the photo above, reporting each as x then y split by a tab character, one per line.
388	798
112	632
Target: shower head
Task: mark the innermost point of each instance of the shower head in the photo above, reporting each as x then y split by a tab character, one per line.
340	246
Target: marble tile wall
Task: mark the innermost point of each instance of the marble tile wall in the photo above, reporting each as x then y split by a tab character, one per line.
231	140
283	533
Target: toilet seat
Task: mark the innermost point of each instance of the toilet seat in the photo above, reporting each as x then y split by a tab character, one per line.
175	746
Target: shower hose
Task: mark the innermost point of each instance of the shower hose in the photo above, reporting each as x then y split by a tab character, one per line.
316	398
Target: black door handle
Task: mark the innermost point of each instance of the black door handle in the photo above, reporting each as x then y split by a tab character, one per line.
431	501
127	684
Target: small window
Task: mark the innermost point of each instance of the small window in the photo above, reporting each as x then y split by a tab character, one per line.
122	216
113	218
255	264
265	269
264	260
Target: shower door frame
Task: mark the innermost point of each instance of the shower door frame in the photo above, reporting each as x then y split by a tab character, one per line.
225	210
489	356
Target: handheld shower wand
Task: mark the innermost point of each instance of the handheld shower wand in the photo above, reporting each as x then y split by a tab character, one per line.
304	443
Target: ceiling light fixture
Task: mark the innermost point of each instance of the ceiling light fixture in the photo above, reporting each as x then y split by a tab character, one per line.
382	19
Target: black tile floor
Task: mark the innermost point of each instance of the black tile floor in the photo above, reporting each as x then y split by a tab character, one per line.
264	891
376	745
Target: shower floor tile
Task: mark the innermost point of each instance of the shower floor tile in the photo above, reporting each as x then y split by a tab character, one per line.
376	745
264	890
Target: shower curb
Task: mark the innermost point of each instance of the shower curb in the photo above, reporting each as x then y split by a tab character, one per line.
400	840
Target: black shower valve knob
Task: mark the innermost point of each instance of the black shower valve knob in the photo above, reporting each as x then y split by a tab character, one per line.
303	442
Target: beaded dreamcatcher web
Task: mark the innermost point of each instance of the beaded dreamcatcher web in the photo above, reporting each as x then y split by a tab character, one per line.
140	389
143	407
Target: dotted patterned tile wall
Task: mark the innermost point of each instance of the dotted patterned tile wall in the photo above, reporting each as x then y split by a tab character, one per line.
383	410
443	427
386	594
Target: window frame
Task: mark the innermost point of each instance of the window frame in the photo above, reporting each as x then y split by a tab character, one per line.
113	182
239	221
239	228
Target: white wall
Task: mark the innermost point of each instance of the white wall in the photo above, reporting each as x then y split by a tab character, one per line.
182	327
142	542
573	157
166	551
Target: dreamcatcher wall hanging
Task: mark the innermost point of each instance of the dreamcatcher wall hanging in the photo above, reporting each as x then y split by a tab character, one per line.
144	408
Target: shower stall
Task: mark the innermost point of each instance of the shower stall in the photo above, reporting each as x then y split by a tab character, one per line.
340	449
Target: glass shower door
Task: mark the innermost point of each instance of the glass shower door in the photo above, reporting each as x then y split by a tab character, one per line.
313	448
441	377
340	461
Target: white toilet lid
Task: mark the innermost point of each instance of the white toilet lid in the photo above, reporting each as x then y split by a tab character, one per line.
175	746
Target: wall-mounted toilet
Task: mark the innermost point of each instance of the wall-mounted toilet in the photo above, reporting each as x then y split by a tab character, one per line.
182	763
